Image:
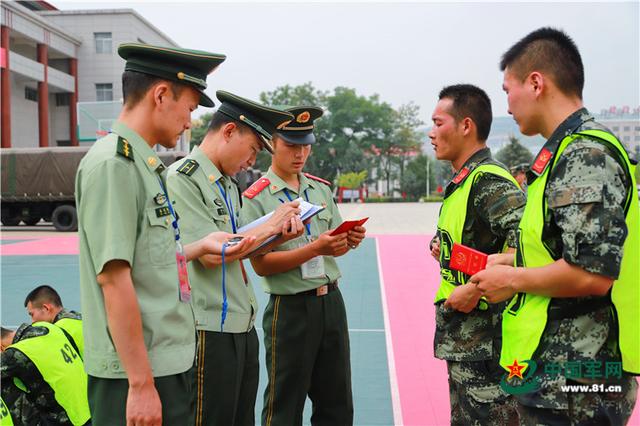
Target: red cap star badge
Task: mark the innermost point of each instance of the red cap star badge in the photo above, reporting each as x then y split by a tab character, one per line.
515	369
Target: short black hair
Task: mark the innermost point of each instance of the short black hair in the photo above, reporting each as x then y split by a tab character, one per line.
43	294
550	51
470	101
219	119
136	84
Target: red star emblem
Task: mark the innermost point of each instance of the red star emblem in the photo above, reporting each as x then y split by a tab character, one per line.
515	369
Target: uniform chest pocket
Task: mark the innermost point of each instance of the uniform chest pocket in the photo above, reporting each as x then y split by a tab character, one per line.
221	219
160	236
323	220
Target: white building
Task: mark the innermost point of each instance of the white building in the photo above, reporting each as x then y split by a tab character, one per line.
61	74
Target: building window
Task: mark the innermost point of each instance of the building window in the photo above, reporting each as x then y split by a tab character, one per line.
637	128
31	94
63	99
104	92
103	42
636	138
627	138
616	128
627	128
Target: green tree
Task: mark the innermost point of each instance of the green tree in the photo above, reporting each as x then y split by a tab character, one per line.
405	142
414	180
352	180
514	153
358	130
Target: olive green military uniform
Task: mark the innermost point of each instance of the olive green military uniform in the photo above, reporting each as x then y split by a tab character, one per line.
227	367
470	342
224	302
124	214
32	387
306	336
585	225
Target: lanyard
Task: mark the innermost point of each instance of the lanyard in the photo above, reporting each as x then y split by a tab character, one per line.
225	305
229	206
176	230
286	192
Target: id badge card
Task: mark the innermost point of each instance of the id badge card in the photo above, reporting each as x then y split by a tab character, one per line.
312	268
183	276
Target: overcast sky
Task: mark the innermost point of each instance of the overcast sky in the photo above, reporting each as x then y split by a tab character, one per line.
403	52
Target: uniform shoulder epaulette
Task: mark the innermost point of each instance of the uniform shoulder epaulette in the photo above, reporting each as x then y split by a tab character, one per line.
461	176
124	148
312	177
188	167
256	188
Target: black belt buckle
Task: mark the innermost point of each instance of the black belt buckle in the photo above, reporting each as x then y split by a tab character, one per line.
323	290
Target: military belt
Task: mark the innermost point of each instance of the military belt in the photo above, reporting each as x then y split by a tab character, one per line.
320	291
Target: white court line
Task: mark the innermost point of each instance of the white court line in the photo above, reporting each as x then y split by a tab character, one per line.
393	378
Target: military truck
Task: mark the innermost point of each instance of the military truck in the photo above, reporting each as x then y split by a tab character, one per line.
38	183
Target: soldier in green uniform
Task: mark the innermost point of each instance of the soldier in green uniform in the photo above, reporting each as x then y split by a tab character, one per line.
305	326
207	200
43	380
139	329
43	303
481	209
575	302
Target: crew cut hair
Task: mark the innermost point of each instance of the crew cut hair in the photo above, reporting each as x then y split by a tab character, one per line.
551	52
135	86
43	294
470	101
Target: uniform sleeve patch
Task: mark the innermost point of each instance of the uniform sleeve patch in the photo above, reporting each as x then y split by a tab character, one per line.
256	188
188	167
124	148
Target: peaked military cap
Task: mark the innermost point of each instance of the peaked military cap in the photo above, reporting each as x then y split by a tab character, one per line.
262	119
300	129
182	65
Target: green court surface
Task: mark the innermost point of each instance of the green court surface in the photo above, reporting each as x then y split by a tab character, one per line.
360	287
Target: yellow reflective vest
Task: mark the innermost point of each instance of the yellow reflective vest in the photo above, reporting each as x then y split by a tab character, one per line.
61	367
526	315
74	328
453	215
5	415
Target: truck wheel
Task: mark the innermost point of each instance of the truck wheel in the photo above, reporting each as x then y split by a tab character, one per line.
65	218
10	216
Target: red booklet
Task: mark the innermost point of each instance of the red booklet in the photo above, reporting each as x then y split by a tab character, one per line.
348	225
467	260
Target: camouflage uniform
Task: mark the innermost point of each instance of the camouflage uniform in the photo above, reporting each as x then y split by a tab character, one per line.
39	405
66	313
470	343
585	226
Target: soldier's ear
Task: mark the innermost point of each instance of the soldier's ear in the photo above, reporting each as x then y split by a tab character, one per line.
160	92
228	130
